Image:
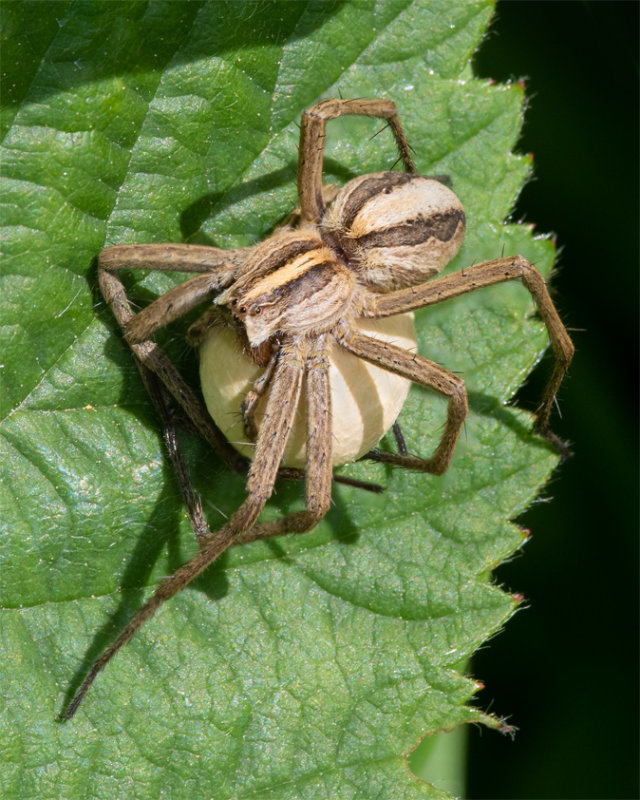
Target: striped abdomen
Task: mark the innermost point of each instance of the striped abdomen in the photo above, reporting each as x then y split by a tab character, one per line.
395	229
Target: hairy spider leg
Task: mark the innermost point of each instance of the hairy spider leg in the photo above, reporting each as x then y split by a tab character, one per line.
293	367
218	268
252	398
311	150
319	451
479	276
426	373
153	357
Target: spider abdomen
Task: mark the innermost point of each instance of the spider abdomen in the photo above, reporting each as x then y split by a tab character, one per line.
395	229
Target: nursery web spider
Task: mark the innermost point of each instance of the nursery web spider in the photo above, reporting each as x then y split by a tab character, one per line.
364	251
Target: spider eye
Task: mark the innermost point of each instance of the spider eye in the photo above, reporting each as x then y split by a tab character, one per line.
234	302
243	309
257	310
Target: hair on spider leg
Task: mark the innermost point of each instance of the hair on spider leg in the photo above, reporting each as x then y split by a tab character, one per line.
557	405
372	252
212	505
396	162
242	443
381	130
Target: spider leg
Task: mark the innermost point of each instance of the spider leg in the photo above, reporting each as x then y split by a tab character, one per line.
312	138
426	373
200	329
218	268
171	257
329	193
172	305
401	442
248	408
153	357
274	431
252	398
476	277
318	473
162	403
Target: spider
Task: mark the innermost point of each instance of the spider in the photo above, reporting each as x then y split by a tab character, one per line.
344	256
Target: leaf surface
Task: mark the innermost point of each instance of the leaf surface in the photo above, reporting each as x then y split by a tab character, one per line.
306	667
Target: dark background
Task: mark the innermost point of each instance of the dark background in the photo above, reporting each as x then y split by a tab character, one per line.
565	670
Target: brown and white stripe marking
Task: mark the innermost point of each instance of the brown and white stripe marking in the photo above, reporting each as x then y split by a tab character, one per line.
396	229
304	288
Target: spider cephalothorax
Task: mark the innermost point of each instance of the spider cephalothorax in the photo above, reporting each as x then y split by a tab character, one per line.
294	284
298	304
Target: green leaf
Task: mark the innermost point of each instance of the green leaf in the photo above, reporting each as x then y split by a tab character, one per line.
309	666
